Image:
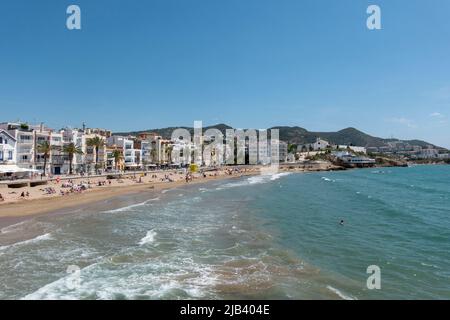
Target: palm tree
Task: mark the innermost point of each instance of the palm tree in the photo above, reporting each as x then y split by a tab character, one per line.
292	148
96	143
71	149
153	154
45	148
117	155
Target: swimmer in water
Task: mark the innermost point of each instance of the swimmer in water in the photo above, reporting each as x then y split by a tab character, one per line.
341	223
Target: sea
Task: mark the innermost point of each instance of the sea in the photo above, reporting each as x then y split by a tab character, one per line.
323	235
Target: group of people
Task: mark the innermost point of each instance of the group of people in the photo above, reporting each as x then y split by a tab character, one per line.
76	188
49	190
103	183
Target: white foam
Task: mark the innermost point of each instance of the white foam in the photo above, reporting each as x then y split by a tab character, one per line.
339	293
46	236
13	227
277	176
328	179
127	208
149	238
429	265
100	282
264	178
56	290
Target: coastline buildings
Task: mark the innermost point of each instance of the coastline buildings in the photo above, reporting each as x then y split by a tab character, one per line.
101	150
350	160
401	149
26	153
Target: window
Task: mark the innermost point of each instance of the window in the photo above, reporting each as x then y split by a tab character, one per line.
1	155
24	157
10	155
1	140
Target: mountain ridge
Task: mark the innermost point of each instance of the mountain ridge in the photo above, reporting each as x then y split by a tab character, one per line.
299	135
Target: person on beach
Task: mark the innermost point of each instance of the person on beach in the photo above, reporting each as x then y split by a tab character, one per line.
1	197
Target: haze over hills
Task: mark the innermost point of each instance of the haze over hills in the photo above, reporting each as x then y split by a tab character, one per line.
298	135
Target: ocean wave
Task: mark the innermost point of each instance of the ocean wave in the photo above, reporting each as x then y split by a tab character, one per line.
264	178
149	238
340	294
180	277
429	265
127	208
13	227
42	237
328	179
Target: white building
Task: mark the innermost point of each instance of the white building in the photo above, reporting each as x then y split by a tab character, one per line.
353	148
319	145
132	156
7	148
355	161
75	136
25	143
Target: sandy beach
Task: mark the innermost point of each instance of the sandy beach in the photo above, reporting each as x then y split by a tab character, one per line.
37	200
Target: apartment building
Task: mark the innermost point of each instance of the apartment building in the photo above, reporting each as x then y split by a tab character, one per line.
7	148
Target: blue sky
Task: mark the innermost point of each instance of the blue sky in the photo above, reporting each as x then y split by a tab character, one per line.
248	63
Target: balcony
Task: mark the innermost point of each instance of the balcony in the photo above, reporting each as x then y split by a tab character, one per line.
23	161
26	142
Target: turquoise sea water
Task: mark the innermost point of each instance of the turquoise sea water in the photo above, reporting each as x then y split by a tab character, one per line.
275	236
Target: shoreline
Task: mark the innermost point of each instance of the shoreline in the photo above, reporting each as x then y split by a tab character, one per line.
40	204
14	211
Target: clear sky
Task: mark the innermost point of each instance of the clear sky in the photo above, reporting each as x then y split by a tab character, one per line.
249	63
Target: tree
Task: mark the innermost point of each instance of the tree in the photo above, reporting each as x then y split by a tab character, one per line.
71	149
117	155
45	148
96	143
292	148
153	154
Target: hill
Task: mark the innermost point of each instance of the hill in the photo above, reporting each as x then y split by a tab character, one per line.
298	135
